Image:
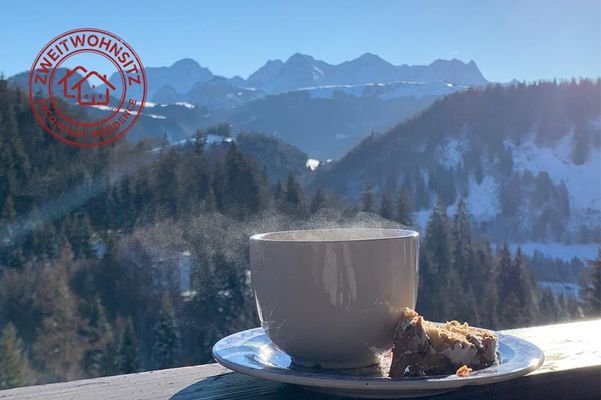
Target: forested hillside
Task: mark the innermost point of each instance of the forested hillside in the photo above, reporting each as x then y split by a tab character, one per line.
134	257
525	157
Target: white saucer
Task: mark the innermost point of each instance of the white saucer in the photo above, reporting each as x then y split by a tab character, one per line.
251	352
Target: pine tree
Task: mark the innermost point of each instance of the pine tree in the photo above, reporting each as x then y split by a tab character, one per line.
467	308
245	184
548	307
591	288
403	208
100	354
435	268
278	192
484	284
525	288
165	184
210	201
59	346
234	164
218	184
422	195
108	278
192	179
8	211
14	368
515	281
294	197
165	336
19	155
507	312
127	361
462	243
386	209
367	199
318	201
80	234
7	217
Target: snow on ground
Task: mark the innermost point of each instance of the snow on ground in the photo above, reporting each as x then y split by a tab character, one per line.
483	199
103	108
582	181
327	91
185	104
451	153
562	251
385	90
420	89
211	139
109	108
312	164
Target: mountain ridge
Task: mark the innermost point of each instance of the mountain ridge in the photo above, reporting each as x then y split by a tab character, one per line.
302	70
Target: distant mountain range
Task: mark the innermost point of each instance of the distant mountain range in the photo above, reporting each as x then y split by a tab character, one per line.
302	71
185	78
322	108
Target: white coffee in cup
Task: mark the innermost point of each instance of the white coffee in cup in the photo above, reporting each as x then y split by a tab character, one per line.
332	297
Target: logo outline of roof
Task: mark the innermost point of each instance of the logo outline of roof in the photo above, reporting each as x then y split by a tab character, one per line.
71	72
101	77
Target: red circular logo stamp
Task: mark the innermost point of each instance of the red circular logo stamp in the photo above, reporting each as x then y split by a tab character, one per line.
87	87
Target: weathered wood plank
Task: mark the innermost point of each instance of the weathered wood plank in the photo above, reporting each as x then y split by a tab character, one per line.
572	369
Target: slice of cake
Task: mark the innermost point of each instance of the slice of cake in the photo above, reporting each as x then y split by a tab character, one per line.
424	348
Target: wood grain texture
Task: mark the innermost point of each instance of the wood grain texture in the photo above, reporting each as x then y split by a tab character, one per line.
572	370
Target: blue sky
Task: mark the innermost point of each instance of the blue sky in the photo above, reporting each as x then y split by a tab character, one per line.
526	40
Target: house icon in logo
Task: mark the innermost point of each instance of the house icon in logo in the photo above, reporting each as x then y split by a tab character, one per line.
86	95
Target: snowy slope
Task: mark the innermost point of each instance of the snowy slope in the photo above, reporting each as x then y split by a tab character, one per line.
582	181
583	186
385	91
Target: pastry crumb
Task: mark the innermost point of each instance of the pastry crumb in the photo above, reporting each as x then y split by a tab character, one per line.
463	371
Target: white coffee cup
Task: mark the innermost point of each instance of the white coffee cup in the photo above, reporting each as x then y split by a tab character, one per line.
332	297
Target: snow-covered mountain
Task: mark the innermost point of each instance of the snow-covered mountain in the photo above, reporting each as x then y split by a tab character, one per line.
324	109
301	71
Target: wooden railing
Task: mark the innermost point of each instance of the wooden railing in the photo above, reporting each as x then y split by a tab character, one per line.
572	370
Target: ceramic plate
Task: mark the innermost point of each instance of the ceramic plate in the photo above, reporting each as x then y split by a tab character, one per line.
251	352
